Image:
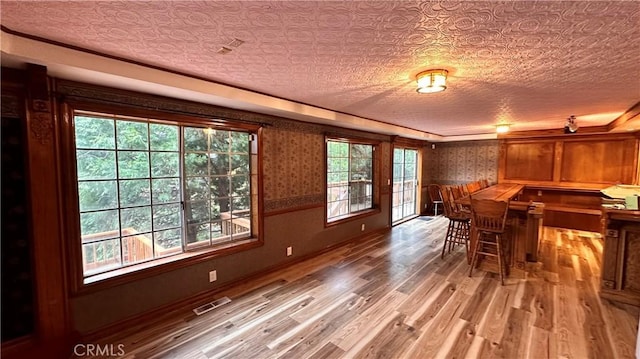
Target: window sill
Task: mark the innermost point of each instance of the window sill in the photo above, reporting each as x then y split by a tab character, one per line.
352	217
148	269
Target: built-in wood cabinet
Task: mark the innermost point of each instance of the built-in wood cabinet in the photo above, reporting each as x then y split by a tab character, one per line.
594	162
621	257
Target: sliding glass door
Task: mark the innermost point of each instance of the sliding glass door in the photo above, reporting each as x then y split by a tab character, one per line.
405	184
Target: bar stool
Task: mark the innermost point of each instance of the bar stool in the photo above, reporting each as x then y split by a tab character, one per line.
489	218
435	196
458	229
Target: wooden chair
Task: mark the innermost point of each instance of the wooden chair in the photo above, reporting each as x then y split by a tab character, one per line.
473	187
435	196
459	228
456	193
489	218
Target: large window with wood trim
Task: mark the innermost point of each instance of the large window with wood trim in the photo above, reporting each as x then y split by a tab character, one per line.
350	176
149	189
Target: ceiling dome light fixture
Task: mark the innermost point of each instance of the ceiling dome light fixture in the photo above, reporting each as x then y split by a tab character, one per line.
503	127
431	81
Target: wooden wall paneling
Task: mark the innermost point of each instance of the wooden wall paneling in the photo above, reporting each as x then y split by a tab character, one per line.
51	293
572	220
620	272
529	161
572	161
631	260
609	260
607	161
558	151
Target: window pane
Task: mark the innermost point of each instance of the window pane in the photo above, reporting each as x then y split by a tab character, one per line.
99	225
195	139
197	211
197	232
240	142
168	241
337	149
240	185
137	248
166	190
239	164
133	164
219	141
101	256
411	156
241	225
136	220
197	188
165	164
195	164
397	171
216	230
215	210
166	216
223	203
96	195
134	193
96	164
398	155
132	135
219	164
240	204
220	186
338	164
362	151
409	170
163	137
94	132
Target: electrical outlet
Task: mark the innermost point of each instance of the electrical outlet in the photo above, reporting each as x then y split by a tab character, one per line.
539	193
213	276
362	228
289	251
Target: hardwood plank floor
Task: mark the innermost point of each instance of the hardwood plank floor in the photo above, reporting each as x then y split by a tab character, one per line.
392	296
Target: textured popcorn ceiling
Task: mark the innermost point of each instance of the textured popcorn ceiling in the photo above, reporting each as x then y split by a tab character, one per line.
529	63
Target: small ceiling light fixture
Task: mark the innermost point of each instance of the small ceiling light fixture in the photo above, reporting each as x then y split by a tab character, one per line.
571	126
431	81
503	127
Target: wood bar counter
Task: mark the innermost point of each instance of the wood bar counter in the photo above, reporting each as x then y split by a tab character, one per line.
620	278
524	226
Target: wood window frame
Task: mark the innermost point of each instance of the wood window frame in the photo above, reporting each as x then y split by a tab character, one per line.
67	164
376	173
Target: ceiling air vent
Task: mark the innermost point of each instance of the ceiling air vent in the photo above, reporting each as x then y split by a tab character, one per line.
224	50
235	42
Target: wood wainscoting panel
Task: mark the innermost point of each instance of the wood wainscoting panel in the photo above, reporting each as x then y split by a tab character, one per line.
610	161
631	278
529	161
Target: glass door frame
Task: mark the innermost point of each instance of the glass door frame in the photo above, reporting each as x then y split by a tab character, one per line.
402	204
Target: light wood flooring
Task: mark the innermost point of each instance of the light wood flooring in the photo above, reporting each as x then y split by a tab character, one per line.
391	296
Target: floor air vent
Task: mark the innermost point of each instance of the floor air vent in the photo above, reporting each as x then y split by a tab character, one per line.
212	305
